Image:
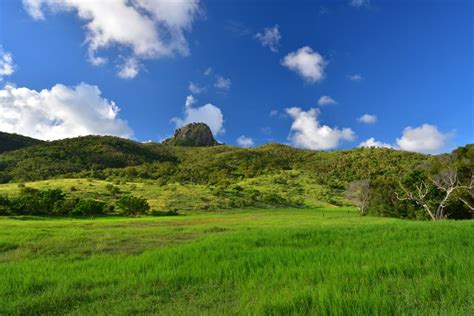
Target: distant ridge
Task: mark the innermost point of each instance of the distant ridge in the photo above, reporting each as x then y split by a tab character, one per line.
9	142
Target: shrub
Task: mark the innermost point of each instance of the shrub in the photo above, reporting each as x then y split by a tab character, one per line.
35	202
113	190
4	205
89	207
132	206
65	207
171	212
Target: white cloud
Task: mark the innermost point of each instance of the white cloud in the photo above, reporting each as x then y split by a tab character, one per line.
245	141
273	113
360	3
149	28
60	112
367	118
307	132
129	69
209	114
371	142
195	88
355	77
307	63
190	101
425	138
208	71
270	37
326	100
222	83
6	64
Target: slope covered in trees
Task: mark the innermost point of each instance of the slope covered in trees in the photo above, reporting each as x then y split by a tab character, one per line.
9	142
236	177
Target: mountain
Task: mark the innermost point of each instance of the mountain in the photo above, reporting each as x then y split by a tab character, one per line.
105	156
9	142
220	177
192	135
70	157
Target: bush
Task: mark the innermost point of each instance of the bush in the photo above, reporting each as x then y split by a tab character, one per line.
35	202
89	207
171	212
4	205
132	206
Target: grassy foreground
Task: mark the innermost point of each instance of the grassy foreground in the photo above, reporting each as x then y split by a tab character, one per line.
251	262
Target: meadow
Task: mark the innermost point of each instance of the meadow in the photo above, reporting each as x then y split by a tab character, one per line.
326	261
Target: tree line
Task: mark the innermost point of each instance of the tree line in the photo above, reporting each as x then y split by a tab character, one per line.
54	202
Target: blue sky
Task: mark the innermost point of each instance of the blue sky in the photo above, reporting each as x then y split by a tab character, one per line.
385	73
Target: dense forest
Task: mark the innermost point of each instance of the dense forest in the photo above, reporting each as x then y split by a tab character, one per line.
380	181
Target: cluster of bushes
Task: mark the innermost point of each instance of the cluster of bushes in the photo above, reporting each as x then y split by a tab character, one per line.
54	202
239	197
442	187
50	202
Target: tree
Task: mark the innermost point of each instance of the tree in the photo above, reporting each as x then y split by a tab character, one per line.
89	207
436	192
358	192
131	205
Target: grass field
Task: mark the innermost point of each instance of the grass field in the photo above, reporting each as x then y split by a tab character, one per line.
187	197
294	261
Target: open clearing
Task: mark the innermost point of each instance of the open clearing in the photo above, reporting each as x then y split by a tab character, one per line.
278	262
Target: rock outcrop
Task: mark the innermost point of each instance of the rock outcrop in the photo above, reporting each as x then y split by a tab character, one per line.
192	135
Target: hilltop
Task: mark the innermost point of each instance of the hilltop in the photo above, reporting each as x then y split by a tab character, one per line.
192	135
220	177
9	142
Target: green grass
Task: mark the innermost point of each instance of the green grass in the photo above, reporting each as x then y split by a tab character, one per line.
320	261
192	197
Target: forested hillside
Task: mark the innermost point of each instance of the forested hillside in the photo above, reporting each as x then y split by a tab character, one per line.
9	142
229	177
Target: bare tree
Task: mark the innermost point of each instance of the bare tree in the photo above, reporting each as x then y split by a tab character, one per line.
358	192
447	182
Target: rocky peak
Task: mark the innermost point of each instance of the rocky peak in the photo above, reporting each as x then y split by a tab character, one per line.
192	135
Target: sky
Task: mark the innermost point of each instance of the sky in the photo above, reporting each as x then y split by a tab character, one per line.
321	75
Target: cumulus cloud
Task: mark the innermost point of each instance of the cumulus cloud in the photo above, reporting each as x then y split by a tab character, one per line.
245	141
307	63
129	69
60	112
195	88
355	77
148	28
273	113
222	83
360	3
190	101
209	114
307	131
6	64
367	118
371	142
270	37
425	139
326	100
208	71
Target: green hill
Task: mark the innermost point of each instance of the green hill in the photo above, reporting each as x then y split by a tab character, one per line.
221	177
9	142
69	157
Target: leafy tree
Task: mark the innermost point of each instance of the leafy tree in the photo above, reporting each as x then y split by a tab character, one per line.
358	192
89	207
132	205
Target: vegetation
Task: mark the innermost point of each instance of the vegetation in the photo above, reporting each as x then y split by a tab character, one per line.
9	142
270	230
133	206
225	177
276	262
